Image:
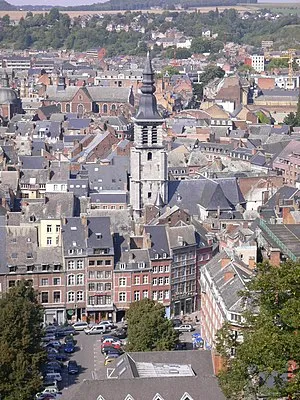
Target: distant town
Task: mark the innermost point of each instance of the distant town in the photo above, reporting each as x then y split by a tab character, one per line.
150	160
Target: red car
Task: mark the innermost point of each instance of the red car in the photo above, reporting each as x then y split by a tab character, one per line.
110	345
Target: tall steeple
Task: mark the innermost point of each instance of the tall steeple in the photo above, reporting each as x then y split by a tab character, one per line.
149	176
148	105
5	80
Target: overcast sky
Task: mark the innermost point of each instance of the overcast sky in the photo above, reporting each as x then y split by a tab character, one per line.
78	2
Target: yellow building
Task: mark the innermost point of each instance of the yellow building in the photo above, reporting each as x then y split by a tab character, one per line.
50	233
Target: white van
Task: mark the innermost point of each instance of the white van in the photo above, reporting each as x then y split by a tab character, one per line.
96	329
80	326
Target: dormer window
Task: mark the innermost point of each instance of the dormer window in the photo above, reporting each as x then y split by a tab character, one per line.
122	265
141	265
99	236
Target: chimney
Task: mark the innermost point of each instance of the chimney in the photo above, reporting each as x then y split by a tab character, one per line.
228	276
180	240
225	260
252	262
286	215
84	219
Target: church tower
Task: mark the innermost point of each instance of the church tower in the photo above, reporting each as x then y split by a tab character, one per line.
149	175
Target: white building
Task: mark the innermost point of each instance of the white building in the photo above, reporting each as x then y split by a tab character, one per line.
258	62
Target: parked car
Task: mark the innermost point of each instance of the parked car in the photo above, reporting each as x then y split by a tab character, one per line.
111	350
51	349
61	357
108	324
80	326
184	328
120	333
176	322
53	343
112	341
69	348
48	390
48	337
55	376
109	345
48	396
108	336
55	364
73	367
70	339
96	329
180	346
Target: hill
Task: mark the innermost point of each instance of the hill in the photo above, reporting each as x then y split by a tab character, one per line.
5	6
146	4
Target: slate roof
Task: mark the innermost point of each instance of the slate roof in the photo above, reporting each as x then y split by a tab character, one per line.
110	197
73	231
229	289
186	232
99	225
52	94
202	386
54	206
33	162
159	240
188	194
109	94
283	193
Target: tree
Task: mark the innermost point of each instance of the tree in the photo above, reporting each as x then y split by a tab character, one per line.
21	354
271	345
148	327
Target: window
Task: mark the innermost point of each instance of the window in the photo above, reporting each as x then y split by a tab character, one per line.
107	262
154	135
161	268
145	279
154	295
44	282
122	297
100	262
154	270
107	286
145	294
141	265
80	264
122	281
160	295
49	241
57	240
144	135
154	282
91	262
136	280
104	108
161	280
56	281
80	279
71	280
122	265
79	296
91	300
167	294
11	284
167	280
107	274
71	297
49	228
167	268
45	297
92	286
149	156
57	228
71	264
56	297
136	296
91	274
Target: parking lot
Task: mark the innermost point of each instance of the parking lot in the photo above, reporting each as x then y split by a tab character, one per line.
91	361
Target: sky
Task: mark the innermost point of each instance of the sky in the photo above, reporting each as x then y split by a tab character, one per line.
79	2
53	2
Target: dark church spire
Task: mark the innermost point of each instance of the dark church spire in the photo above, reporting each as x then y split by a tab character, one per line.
5	79
148	105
